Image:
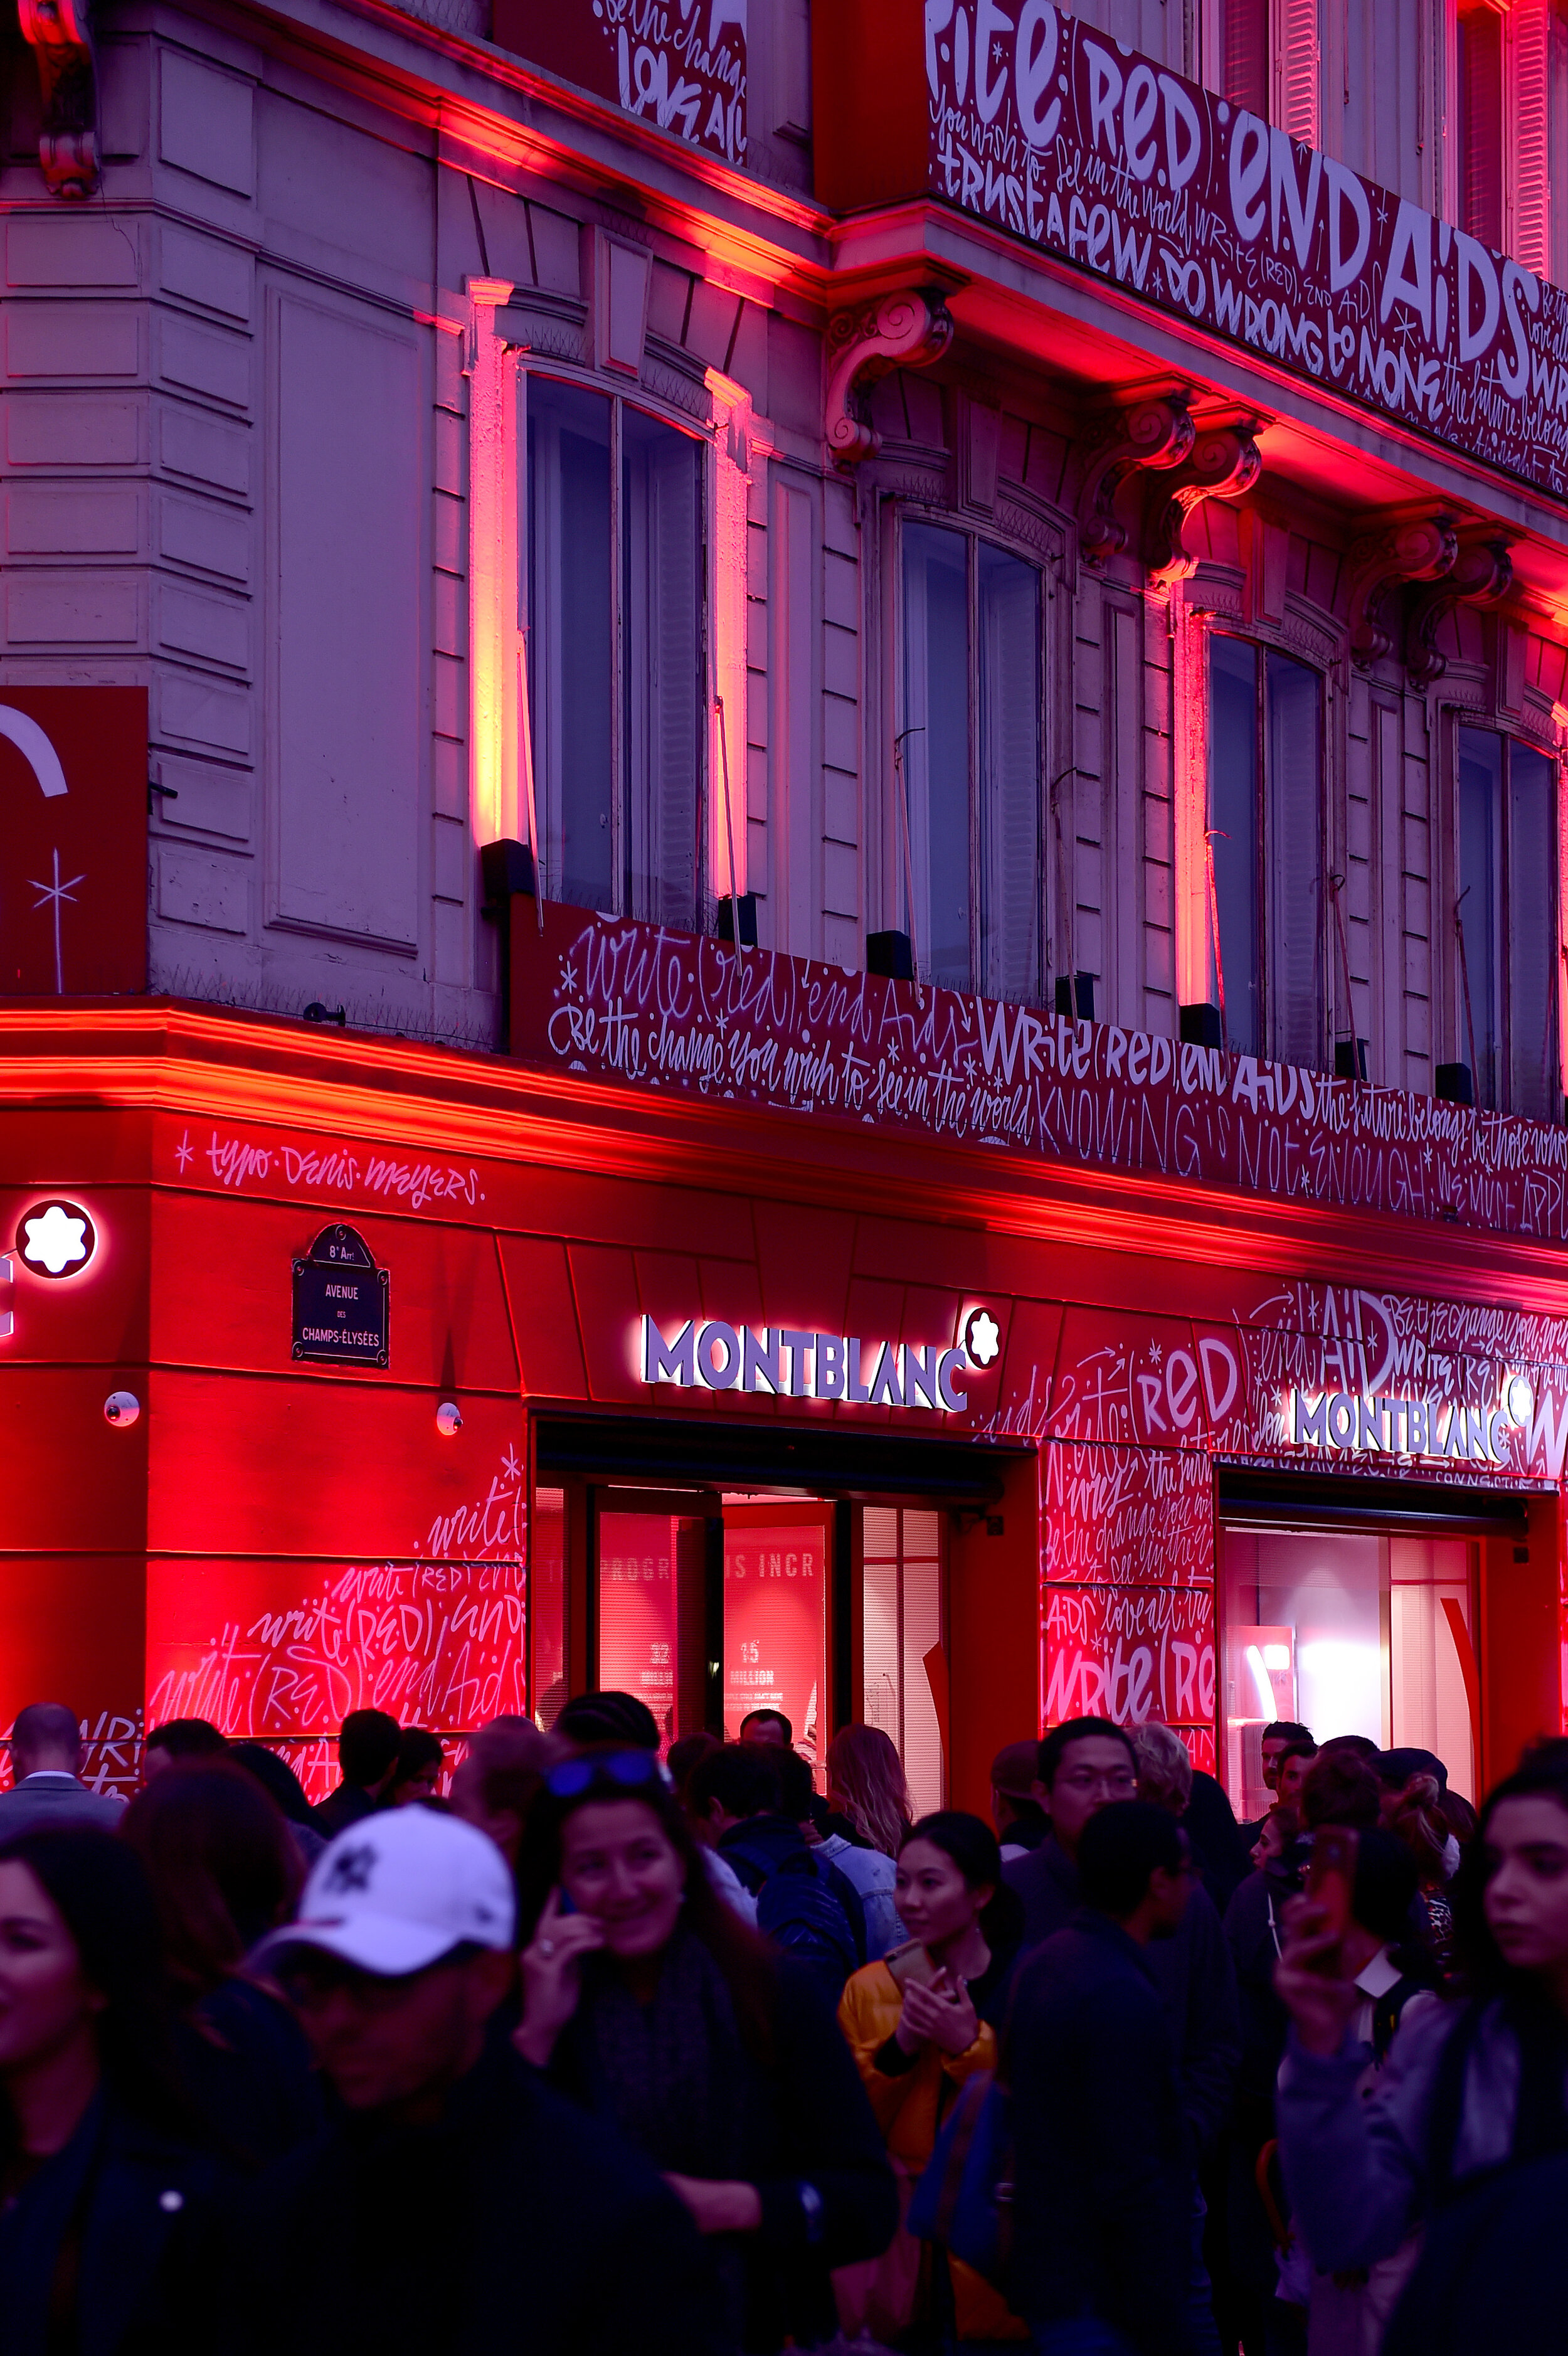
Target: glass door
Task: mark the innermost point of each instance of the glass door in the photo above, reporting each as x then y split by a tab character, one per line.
651	1602
776	1556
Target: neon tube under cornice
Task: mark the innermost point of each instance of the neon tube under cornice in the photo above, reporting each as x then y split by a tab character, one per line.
174	1055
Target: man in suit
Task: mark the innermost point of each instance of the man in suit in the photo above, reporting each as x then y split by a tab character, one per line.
46	1770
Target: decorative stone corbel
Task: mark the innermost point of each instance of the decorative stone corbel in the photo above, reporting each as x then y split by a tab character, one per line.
908	329
1224	464
1157	432
1482	574
62	40
1424	547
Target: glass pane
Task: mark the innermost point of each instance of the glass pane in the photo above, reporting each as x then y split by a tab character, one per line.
1480	110
1295	723
1303	1618
775	1622
937	749
1480	805
651	1615
922	1633
661	527
547	1606
1531	937
571	677
1233	819
1010	894
1429	1589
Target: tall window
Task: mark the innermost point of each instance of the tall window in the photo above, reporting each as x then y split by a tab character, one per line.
614	653
969	810
1507	923
1244	54
1480	113
1265	835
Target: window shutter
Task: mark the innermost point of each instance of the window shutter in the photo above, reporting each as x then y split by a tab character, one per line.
662	657
1476	990
1530	39
936	751
1298	77
1234	804
1010	879
1295	839
1532	937
569	651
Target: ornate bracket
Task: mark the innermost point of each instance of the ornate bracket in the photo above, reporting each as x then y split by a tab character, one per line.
1421	549
1156	433
1482	574
1224	464
908	329
59	34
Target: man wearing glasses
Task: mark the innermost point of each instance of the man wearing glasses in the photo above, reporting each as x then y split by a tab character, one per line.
1086	1765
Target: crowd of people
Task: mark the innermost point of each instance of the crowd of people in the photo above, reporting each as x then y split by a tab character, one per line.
607	2052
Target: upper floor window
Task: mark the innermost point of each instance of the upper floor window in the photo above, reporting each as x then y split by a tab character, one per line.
1480	35
1268	62
615	651
1265	838
969	774
1507	922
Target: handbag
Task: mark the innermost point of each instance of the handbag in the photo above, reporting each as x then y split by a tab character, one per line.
964	2197
877	2296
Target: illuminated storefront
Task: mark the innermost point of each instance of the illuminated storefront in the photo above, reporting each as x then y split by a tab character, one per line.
738	1406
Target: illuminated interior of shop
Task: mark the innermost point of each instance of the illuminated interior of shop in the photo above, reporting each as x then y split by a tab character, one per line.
651	1615
1349	1632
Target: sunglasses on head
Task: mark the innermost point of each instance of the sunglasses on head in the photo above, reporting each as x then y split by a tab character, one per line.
628	1769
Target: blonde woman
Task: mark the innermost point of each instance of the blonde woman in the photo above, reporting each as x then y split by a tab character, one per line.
868	1807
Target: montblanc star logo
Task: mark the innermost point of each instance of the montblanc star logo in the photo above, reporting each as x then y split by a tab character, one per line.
56	1238
983	1337
352	1870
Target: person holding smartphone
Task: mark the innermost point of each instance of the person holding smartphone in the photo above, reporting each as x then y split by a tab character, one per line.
1467	2132
653	2006
919	2022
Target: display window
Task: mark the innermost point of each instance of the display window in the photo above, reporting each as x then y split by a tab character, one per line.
1349	1632
901	1641
547	1607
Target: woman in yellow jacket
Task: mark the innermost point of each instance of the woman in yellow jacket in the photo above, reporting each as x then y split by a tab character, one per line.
919	2022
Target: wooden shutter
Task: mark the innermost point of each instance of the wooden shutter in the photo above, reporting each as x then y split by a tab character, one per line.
1298	69
662	654
1530	43
1532	930
1293	837
1009	777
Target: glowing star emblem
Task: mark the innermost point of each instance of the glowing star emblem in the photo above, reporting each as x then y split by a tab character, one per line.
56	1238
982	1337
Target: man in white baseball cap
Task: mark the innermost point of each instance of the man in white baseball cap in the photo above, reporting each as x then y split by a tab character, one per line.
456	2202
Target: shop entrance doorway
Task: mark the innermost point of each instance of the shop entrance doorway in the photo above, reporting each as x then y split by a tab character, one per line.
712	1598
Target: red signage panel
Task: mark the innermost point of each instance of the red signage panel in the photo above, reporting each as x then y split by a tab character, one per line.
680	64
73	850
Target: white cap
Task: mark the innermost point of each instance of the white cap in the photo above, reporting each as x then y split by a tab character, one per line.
399	1890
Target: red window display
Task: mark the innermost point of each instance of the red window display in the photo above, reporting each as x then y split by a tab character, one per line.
775	1619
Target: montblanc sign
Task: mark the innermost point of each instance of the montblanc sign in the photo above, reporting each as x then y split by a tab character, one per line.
1114	164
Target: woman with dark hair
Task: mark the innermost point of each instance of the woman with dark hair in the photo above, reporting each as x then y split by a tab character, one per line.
648	2001
105	2195
919	2022
1467	2131
224	1872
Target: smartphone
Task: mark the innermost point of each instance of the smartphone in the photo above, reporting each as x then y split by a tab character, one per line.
563	1904
1331	1876
911	1964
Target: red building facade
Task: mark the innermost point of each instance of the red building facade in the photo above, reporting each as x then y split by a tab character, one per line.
840	984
